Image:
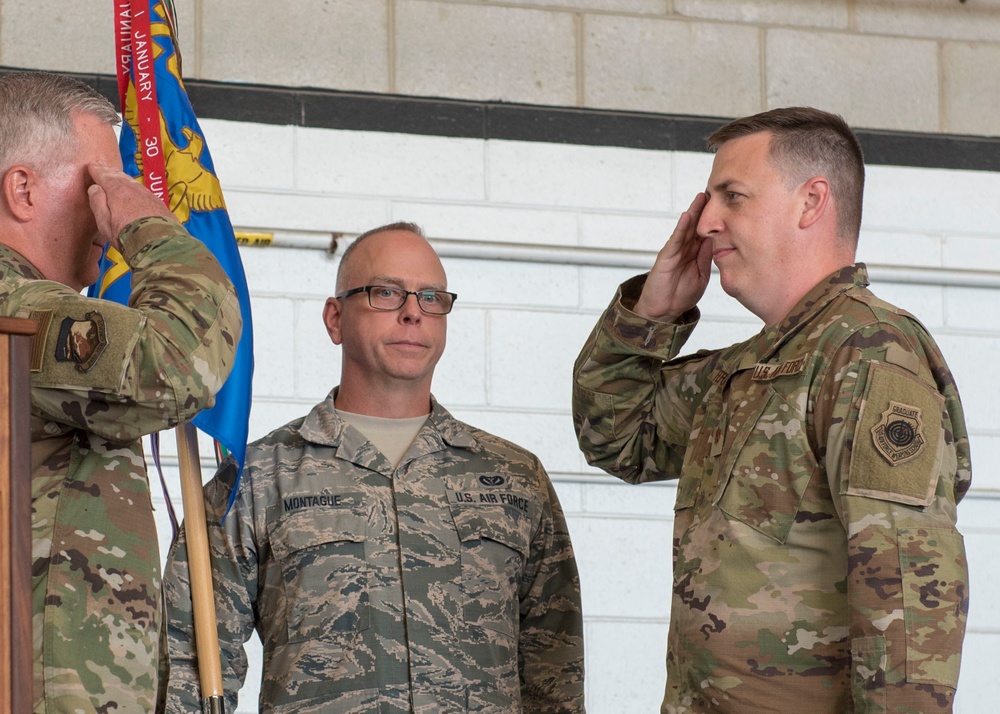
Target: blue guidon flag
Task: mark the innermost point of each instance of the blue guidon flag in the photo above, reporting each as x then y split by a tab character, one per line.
175	164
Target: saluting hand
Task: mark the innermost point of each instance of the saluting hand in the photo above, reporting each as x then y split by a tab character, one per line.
681	271
117	199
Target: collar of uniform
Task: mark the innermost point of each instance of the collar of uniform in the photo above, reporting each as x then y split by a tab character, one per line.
763	345
834	285
12	261
449	429
322	425
325	427
744	355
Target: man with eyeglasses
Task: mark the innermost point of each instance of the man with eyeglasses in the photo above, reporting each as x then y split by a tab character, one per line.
390	557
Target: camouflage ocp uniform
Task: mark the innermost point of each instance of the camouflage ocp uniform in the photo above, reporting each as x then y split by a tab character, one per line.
447	584
102	376
817	566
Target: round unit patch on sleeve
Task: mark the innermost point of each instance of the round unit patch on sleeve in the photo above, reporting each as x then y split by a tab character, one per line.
898	443
899	434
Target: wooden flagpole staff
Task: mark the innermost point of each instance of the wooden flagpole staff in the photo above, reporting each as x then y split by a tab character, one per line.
133	35
206	636
148	61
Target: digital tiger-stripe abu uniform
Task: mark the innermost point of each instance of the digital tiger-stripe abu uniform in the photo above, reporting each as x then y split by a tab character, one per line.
392	558
447	583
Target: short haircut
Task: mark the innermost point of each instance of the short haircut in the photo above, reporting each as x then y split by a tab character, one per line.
807	142
344	259
36	117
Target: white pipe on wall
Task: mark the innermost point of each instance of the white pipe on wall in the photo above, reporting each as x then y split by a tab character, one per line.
638	260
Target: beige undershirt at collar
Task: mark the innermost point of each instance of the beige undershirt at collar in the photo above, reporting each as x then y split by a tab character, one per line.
390	436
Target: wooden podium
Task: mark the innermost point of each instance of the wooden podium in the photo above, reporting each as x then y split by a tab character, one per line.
15	516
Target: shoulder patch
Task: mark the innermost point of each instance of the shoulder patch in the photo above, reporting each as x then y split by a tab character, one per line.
898	443
88	345
899	435
82	341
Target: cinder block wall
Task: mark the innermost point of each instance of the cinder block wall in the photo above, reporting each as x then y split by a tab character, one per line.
916	65
518	325
922	65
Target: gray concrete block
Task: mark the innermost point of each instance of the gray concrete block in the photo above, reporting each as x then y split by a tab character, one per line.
647	7
485	52
878	83
337	45
671	66
971	96
811	13
54	35
938	19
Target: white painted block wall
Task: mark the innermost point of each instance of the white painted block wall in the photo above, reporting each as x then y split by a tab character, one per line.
517	328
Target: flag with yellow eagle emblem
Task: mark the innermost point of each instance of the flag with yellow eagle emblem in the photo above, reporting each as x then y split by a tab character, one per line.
162	143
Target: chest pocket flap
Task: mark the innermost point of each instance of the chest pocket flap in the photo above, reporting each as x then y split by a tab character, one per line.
770	463
321	552
495	541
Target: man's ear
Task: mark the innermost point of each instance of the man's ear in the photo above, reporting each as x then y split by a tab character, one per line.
816	201
332	312
17	188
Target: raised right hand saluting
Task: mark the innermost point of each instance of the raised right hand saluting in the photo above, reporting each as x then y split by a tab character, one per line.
680	274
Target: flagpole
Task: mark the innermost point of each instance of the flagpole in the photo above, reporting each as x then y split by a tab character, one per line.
206	636
154	101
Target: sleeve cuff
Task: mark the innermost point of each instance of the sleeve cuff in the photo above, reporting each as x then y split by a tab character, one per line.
140	233
659	340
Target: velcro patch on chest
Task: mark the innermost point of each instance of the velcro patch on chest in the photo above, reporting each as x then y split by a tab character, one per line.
898	444
489	498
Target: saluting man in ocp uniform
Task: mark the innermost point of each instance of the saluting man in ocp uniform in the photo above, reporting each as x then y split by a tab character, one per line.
102	376
817	564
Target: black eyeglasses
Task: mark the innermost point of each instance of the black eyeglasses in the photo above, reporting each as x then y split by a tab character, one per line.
388	297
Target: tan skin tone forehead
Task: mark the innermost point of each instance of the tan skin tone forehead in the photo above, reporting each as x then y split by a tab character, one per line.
365	263
739	161
394	281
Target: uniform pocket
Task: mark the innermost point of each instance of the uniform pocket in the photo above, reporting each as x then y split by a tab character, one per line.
487	700
325	573
936	599
771	469
495	543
